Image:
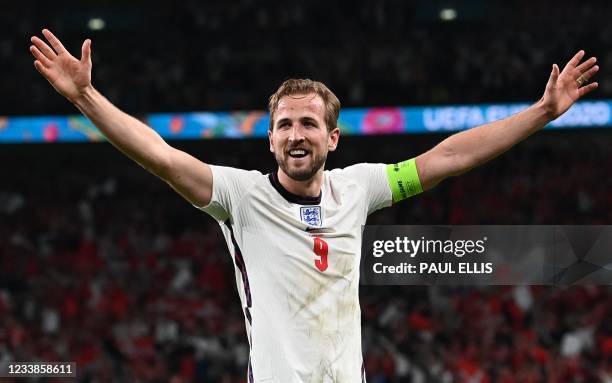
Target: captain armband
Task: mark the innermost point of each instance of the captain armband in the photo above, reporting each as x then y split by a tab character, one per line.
403	180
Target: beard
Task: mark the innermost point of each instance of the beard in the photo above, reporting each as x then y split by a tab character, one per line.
301	174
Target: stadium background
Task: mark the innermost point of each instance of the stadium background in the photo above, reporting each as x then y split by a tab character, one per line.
101	263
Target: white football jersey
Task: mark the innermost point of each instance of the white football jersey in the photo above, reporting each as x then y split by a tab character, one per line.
297	268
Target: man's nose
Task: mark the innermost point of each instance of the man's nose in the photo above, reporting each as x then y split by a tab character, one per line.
297	133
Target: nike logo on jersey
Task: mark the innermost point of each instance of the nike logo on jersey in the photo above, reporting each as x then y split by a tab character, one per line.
318	230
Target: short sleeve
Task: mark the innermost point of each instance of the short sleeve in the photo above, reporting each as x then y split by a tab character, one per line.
373	179
229	187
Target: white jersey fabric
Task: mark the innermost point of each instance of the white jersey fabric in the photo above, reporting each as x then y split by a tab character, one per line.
301	310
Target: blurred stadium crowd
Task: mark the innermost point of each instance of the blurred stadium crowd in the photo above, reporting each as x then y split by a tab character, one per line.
216	55
104	265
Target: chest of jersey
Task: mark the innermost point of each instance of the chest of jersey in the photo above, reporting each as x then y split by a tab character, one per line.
301	238
304	258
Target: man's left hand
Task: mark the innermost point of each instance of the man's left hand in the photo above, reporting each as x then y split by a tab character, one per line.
565	88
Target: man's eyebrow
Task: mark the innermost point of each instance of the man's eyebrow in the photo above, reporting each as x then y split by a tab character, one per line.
283	120
303	119
309	119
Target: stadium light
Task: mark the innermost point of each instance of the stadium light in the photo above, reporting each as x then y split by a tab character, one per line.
96	24
448	14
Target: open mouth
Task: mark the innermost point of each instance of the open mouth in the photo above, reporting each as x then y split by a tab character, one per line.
298	153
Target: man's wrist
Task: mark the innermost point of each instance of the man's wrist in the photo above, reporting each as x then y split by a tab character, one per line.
85	97
544	112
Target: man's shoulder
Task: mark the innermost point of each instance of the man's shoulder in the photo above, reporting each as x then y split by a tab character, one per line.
236	180
230	187
232	172
360	175
362	169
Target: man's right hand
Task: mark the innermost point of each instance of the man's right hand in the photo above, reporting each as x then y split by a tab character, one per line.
68	75
71	77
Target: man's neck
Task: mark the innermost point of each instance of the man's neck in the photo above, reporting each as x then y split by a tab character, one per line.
308	188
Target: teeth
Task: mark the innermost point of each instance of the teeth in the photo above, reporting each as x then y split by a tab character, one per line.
298	152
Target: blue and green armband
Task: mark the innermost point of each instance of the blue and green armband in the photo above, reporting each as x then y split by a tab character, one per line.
403	180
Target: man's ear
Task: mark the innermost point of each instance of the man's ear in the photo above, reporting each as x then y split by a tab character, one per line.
271	140
334	137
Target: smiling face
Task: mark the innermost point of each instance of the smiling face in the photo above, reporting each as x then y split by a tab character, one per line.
299	137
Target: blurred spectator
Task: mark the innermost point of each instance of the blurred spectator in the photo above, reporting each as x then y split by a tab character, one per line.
102	264
212	55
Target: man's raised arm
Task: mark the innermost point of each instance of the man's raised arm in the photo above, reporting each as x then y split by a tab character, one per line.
72	78
466	150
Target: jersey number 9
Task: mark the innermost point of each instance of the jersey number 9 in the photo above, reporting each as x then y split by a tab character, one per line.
320	249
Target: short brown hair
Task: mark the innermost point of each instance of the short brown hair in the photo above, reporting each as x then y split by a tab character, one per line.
304	86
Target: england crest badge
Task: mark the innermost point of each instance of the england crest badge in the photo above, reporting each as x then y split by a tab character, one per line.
311	215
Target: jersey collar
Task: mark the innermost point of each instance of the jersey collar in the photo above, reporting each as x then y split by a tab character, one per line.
293	198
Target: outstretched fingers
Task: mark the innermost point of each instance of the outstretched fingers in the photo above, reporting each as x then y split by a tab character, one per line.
54	41
585	66
554	74
43	47
575	60
590	73
580	73
42	69
587	88
584	78
86	51
40	56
